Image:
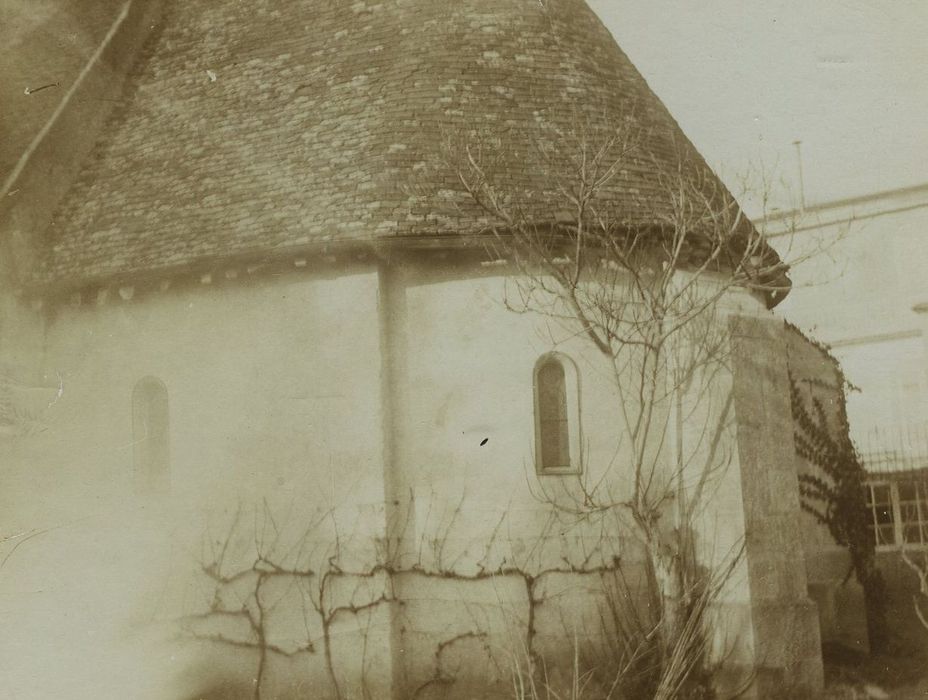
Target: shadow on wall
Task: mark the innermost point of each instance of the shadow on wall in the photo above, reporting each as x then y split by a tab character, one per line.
901	594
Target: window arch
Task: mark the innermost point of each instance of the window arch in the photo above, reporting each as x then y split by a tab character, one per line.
150	432
557	415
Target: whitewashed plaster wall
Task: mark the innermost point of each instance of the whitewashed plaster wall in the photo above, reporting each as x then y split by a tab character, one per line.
274	392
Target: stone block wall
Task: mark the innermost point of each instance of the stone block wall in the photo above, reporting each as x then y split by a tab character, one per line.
354	380
786	642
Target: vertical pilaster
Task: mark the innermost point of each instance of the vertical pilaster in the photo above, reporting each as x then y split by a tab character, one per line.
786	644
399	509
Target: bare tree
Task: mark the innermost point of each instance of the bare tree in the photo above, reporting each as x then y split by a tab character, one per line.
646	277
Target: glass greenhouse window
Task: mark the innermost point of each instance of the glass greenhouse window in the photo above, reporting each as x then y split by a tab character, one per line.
899	512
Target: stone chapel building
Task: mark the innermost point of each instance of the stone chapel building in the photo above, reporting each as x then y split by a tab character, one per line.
229	277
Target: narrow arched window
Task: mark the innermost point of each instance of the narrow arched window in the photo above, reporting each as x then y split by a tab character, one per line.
150	431
557	415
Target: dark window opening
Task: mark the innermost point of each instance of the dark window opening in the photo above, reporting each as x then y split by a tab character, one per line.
553	427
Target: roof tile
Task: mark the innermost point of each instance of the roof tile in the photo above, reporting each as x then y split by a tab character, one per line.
318	127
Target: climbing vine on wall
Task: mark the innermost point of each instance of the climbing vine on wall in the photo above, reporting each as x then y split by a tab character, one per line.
834	492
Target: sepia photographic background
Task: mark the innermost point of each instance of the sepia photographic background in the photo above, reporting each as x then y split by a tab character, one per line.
822	103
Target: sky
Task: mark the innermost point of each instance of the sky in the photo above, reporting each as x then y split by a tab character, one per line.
745	80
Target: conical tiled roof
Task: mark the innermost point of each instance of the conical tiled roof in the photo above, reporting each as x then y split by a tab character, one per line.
269	125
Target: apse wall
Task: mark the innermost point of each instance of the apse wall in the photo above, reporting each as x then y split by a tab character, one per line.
272	379
472	412
274	401
306	411
470	432
472	467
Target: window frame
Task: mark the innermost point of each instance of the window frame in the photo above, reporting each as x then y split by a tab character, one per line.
898	525
574	424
